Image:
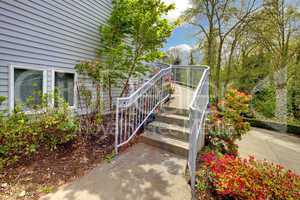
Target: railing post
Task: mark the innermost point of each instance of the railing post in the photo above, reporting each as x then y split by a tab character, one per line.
117	127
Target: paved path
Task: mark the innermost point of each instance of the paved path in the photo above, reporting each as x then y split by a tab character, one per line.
279	148
142	173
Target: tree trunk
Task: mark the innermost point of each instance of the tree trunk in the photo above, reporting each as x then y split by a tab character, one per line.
218	72
228	73
131	71
280	78
110	95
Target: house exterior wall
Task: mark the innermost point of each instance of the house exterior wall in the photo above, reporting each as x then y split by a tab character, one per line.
54	34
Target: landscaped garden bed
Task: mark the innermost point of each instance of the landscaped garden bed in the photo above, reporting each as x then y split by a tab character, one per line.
30	174
229	177
44	171
222	174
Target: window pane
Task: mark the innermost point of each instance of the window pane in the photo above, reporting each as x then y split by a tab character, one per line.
64	83
28	84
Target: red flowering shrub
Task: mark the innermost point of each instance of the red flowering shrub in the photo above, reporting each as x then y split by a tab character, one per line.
250	179
226	123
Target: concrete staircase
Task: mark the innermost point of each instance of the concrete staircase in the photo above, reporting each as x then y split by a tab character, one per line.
169	131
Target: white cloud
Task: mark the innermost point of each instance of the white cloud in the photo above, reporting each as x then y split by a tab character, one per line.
181	6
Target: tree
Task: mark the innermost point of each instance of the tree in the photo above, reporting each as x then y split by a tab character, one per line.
294	80
134	32
148	32
192	62
274	28
202	15
108	68
217	19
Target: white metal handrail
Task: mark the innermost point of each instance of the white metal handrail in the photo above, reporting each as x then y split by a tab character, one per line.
133	111
197	114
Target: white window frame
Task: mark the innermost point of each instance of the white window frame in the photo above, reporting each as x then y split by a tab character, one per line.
11	93
75	81
45	70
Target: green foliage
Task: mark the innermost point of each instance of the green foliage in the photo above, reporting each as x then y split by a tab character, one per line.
109	157
252	69
226	122
264	102
201	183
91	110
22	134
56	126
141	24
263	43
248	179
46	189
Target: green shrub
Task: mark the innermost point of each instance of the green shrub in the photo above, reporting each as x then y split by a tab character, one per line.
16	137
56	126
226	122
264	102
22	134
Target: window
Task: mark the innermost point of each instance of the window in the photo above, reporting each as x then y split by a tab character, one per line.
64	84
26	84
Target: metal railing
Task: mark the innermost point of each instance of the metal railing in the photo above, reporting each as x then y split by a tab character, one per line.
188	75
197	116
133	111
196	77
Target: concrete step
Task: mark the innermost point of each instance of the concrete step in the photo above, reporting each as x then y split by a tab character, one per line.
168	118
166	143
169	130
176	111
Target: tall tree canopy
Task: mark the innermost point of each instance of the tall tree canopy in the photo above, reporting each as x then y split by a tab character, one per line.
216	20
252	45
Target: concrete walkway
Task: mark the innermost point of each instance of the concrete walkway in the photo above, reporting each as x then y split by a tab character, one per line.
279	148
182	97
142	173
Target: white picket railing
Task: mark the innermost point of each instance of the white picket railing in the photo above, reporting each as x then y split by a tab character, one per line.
133	111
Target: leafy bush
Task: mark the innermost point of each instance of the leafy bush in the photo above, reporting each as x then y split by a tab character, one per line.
22	134
264	102
56	126
90	109
226	122
249	179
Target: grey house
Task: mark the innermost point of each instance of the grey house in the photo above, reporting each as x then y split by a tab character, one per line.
40	43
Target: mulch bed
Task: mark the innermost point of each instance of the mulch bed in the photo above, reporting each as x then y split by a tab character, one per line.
33	177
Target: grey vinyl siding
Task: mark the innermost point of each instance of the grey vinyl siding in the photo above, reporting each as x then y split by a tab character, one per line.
56	34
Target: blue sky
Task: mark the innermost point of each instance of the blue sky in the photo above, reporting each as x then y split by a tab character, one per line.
186	34
182	35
